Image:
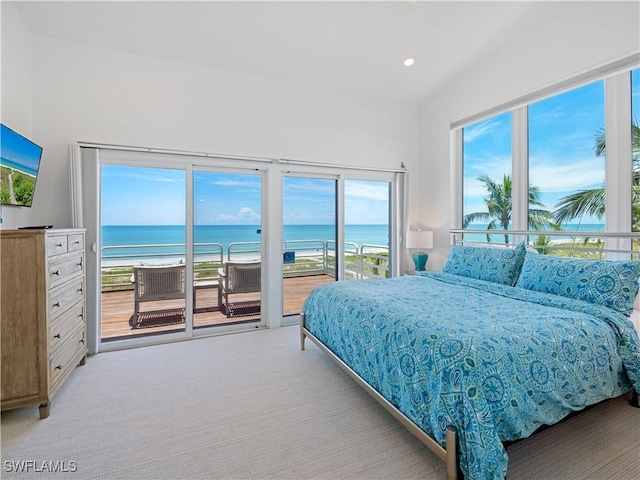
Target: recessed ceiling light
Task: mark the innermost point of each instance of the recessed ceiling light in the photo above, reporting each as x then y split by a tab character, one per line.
409	61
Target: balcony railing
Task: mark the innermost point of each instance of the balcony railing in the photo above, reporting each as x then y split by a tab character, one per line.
300	258
566	243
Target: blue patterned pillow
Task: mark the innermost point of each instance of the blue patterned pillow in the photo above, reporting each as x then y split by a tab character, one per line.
498	265
613	284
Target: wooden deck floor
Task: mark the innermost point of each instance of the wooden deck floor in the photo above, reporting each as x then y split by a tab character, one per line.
117	309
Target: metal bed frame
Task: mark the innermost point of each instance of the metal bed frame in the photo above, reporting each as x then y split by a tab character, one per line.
450	454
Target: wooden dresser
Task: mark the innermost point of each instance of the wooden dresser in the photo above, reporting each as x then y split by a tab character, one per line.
42	291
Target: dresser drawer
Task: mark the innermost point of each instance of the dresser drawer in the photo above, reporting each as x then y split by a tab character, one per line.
43	317
62	298
64	267
66	358
56	245
62	327
75	242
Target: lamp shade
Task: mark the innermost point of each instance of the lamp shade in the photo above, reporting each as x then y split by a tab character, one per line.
419	239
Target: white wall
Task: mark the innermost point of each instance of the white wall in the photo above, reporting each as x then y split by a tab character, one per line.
572	39
84	93
17	91
69	92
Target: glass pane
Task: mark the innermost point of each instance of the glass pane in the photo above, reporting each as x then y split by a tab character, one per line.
566	160
366	212
143	251
567	167
227	254
635	146
487	200
309	238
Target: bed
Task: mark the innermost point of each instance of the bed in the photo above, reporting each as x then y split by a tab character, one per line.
497	345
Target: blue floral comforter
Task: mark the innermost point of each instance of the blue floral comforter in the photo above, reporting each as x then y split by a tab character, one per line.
495	361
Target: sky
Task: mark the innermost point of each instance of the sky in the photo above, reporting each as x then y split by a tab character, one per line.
156	196
562	160
561	146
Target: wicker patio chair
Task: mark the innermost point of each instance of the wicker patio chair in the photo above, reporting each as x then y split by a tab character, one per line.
155	283
236	278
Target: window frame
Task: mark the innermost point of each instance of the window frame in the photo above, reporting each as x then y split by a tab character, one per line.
618	160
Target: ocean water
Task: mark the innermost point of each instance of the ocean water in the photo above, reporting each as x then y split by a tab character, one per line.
26	169
587	227
169	240
158	235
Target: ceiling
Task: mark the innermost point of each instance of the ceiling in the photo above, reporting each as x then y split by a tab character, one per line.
354	47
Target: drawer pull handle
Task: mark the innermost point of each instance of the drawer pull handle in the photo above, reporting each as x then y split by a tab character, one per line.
59	367
80	289
57	304
57	272
58	244
79	264
81	341
77	242
56	336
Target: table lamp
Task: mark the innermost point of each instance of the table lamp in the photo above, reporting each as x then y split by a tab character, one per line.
418	240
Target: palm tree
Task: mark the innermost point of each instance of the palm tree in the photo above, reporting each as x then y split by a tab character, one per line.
499	207
591	201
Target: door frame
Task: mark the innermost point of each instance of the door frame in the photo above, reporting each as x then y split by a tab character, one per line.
86	162
223	168
396	216
185	163
138	160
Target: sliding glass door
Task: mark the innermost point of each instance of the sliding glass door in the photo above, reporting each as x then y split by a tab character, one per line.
308	238
175	263
227	247
179	249
367	226
143	274
333	229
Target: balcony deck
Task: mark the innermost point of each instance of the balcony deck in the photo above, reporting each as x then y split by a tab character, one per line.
117	309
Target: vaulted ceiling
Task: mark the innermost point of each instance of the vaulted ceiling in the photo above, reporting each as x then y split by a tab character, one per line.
356	47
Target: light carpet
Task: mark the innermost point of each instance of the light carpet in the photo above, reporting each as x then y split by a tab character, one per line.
254	406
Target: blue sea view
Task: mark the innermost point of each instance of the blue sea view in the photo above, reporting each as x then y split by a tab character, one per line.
158	235
26	169
119	235
587	227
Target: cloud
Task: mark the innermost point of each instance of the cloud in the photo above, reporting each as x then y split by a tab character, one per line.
475	188
493	165
545	116
243	215
147	175
550	176
230	182
293	185
478	130
550	173
367	190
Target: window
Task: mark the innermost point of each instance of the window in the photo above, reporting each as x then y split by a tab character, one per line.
487	203
538	163
566	161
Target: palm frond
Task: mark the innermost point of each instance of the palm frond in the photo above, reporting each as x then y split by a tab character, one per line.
585	202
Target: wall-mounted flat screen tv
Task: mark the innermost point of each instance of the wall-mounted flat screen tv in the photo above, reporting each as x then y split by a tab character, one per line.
19	164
